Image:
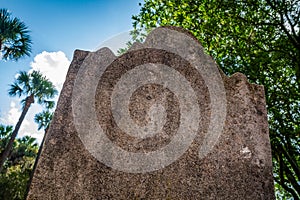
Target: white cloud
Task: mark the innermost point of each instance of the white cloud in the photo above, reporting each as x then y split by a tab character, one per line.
13	115
54	65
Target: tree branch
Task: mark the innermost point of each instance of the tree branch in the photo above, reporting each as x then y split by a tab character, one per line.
288	19
283	180
281	24
293	193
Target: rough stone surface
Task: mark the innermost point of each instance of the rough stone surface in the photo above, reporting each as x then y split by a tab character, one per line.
238	167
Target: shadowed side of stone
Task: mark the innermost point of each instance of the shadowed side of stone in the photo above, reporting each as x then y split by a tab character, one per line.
238	167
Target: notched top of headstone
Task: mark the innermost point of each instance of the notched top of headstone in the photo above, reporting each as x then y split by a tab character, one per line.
158	122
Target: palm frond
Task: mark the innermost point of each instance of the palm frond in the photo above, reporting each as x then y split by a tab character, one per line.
43	87
5	131
15	90
47	103
14	37
43	119
17	49
4	14
24	80
49	89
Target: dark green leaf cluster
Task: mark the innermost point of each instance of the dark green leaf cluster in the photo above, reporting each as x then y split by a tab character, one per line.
43	119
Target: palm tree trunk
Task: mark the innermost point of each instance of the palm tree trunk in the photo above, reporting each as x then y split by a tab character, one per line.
5	154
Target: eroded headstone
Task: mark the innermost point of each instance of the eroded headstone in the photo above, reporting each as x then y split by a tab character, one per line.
158	122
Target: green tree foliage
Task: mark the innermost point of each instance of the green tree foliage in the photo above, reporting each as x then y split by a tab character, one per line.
15	41
34	86
43	119
259	38
17	169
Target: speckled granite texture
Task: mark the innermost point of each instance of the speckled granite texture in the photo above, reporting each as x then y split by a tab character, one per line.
238	167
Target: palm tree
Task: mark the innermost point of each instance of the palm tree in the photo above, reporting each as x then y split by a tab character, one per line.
14	39
18	166
33	86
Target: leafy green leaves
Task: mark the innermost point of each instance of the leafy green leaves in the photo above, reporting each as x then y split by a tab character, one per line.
15	176
260	39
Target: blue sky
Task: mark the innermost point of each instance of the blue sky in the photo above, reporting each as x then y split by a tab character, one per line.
58	27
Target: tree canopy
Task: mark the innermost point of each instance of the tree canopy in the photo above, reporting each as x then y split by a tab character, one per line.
259	38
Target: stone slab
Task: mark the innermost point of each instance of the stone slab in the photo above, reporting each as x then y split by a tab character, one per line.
185	131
